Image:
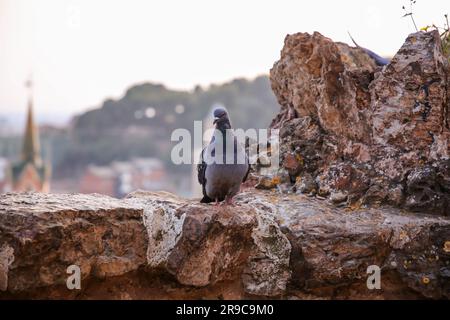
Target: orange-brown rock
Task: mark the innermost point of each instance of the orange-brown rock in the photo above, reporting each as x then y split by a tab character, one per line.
367	130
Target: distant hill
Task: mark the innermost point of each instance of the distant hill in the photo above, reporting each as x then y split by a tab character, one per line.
141	122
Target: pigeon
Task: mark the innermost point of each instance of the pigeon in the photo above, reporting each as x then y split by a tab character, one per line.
379	61
222	180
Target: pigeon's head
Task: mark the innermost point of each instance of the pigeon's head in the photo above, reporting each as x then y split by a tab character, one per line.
221	119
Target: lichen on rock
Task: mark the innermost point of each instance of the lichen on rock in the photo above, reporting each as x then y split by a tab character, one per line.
267	271
6	258
162	221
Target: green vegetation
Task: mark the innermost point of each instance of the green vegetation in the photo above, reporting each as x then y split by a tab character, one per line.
445	36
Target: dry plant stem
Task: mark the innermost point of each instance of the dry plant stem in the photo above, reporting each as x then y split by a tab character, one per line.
414	22
410	14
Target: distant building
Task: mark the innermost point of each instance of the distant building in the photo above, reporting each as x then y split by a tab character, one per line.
123	177
98	179
30	173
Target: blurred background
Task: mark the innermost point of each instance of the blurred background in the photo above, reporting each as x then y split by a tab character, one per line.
90	91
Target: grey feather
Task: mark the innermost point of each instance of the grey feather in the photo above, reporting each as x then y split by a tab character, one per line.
380	61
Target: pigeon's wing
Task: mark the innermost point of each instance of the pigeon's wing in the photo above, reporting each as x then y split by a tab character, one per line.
380	61
201	169
248	170
247	162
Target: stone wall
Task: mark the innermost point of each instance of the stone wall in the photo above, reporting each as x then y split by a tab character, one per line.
159	246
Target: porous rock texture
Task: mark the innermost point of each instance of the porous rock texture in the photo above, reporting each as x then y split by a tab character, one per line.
159	246
364	134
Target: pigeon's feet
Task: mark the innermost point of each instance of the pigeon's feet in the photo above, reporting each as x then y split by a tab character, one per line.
217	203
229	201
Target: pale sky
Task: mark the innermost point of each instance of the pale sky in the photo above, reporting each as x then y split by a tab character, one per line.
83	51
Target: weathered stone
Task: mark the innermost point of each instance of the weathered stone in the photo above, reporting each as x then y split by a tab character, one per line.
344	177
6	258
162	221
338	197
292	163
273	180
214	245
332	248
42	235
267	182
266	245
428	189
363	129
306	184
302	148
409	102
396	195
267	272
325	80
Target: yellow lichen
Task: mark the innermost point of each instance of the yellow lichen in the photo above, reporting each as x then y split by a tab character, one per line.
403	235
447	246
405	264
355	206
276	180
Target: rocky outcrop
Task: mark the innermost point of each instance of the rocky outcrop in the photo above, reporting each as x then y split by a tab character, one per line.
371	134
156	245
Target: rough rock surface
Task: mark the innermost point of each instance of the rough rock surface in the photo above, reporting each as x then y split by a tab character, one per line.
377	135
156	245
41	235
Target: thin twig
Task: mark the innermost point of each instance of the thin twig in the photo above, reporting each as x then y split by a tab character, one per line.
415	26
411	15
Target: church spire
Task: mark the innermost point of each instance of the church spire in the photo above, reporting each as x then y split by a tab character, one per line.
30	173
31	147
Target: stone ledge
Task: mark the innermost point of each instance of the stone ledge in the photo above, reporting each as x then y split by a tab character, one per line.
268	245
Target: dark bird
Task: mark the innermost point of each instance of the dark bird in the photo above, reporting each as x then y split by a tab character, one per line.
380	61
221	180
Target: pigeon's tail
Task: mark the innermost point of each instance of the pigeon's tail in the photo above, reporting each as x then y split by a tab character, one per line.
206	199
